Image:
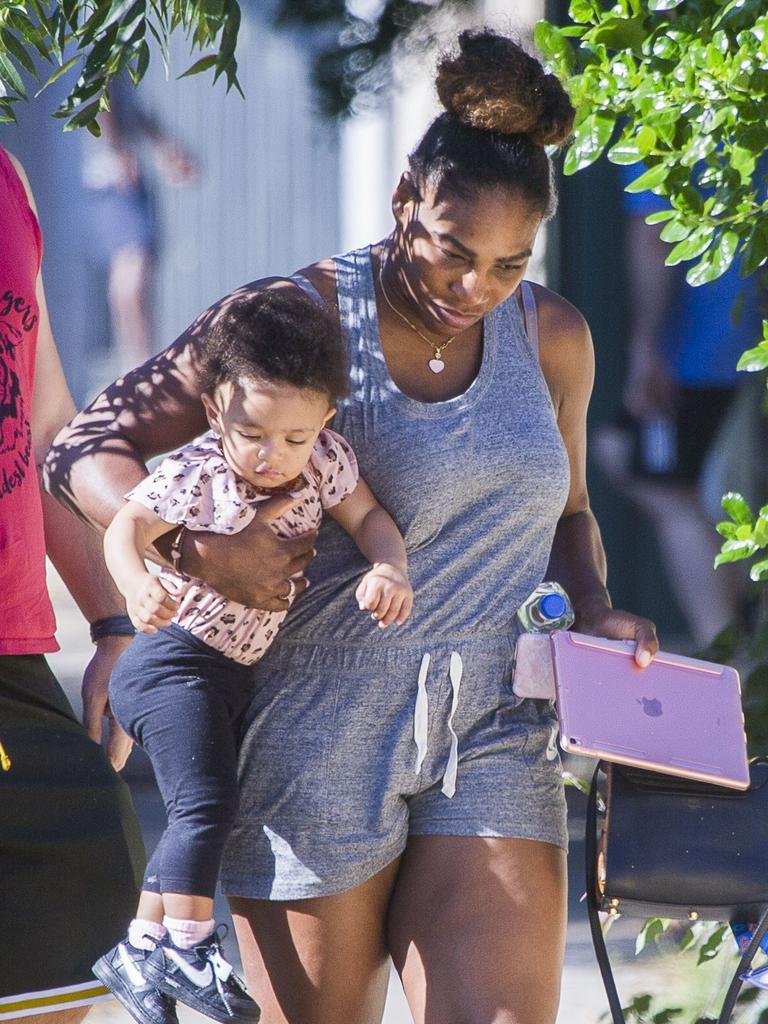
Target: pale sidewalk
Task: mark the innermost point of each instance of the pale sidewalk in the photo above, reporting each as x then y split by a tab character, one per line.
583	1000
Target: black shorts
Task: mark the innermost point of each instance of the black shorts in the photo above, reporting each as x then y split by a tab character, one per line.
71	853
675	450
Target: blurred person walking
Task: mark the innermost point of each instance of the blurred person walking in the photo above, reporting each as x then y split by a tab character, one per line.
681	386
122	233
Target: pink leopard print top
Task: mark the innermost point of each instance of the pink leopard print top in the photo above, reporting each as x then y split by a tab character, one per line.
195	487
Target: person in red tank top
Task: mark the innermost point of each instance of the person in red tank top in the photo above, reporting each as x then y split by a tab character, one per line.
71	853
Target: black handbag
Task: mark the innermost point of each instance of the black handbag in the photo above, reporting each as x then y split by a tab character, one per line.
669	847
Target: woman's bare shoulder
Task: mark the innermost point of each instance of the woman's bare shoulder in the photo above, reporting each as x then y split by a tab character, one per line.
566	352
560	322
323	276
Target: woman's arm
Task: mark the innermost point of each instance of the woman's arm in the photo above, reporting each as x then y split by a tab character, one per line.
101	455
578	557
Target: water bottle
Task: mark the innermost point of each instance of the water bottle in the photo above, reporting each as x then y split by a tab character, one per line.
546	609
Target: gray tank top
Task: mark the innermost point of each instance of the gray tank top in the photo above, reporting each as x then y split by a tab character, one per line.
476	484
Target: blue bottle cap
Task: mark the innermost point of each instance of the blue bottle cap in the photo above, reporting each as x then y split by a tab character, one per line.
552	606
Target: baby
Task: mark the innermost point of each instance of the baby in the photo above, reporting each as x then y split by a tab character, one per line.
275	368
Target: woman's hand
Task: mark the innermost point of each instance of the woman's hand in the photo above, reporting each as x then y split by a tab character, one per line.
95	694
599	619
386	593
252	567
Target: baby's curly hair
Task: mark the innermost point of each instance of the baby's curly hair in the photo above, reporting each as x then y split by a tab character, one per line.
280	336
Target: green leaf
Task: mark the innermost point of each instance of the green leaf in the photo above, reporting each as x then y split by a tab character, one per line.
203	64
660	216
754	359
621	33
17	50
675	231
696	243
649	180
590	139
663	5
759	571
59	72
755	251
726	529
737	508
554	46
583	11
10	75
651	930
711	947
716	262
83	117
625	153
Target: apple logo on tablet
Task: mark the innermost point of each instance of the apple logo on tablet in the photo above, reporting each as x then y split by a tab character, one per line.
651	706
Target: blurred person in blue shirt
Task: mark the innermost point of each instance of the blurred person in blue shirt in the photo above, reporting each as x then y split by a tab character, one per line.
683	346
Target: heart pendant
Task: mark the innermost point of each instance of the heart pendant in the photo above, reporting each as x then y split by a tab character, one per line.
436	365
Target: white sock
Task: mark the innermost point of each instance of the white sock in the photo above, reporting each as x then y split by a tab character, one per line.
186	934
145	934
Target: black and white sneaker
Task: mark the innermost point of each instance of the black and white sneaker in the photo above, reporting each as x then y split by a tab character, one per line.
201	978
122	971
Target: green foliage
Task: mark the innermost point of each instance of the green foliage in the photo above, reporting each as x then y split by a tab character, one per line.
681	85
94	40
100	39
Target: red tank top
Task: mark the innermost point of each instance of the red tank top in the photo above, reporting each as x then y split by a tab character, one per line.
27	622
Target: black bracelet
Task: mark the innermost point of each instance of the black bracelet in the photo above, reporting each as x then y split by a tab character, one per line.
112	625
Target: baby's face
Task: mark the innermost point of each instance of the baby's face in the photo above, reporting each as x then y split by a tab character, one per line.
267	431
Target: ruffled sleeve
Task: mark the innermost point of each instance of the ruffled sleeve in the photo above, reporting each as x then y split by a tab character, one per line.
195	487
335	465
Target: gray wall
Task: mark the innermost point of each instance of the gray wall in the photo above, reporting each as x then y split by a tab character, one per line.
266	202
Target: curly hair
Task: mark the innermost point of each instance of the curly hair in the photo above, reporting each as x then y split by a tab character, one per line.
276	336
501	109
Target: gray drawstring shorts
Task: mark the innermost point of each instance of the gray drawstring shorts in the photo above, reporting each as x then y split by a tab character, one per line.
348	750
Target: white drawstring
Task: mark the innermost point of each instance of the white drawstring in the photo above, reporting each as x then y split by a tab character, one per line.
421	714
421	720
455	671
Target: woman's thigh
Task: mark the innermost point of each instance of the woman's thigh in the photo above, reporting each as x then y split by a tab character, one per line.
318	961
477	929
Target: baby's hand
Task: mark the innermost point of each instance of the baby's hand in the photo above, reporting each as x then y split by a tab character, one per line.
149	605
385	592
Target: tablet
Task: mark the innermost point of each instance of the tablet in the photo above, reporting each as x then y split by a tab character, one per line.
679	715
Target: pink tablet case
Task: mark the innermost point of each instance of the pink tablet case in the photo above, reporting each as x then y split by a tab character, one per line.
679	715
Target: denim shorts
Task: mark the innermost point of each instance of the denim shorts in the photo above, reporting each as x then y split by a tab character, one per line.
348	750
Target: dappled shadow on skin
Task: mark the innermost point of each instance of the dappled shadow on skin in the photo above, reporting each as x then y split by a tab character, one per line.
152	409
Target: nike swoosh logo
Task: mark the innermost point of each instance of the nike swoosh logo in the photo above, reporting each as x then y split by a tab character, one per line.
133	972
201	978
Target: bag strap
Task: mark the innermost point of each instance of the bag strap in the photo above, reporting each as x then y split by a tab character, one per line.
598	940
744	964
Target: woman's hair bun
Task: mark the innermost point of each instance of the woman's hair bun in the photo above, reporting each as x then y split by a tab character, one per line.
492	84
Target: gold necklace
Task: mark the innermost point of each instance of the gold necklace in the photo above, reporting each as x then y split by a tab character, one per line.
436	363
